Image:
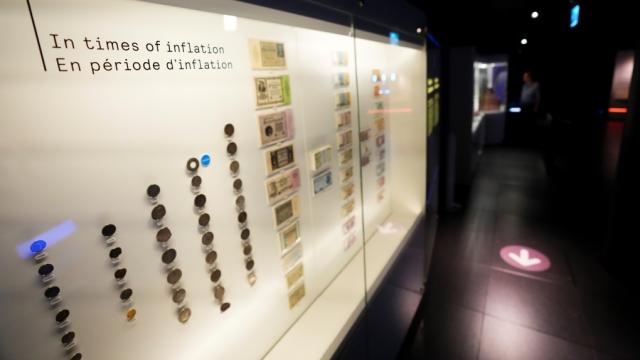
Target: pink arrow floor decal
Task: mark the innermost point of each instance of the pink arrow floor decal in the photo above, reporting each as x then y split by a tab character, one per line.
525	258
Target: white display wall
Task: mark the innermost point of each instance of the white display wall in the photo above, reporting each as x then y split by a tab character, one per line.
78	149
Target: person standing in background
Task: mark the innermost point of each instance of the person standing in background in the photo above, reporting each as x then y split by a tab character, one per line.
530	95
530	107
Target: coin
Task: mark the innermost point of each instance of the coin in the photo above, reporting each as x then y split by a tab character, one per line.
126	294
163	235
207	238
179	295
184	315
234	166
249	264
246	250
229	130
108	230
115	253
62	316
120	273
193	164
251	277
240	201
237	184
199	201
215	275
169	256
68	338
218	292
131	314
211	257
232	148
153	191
242	217
196	181
204	219
174	276
158	212
45	269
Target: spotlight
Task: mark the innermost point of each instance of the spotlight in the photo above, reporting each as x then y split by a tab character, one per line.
535	15
524	41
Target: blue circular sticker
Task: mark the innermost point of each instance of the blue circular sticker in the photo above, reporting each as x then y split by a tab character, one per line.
38	246
205	160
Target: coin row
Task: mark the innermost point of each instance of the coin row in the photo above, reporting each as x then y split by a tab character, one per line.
211	256
242	218
109	235
52	294
169	255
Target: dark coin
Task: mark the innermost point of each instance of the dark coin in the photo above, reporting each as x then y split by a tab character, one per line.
246	250
115	253
179	295
218	292
153	190
232	148
120	273
62	316
45	269
108	230
126	294
196	181
174	276
163	235
244	235
193	164
168	256
234	166
242	217
215	275
211	257
158	212
204	219
240	201
229	130
68	338
207	238
77	356
199	201
249	265
184	315
237	184
224	307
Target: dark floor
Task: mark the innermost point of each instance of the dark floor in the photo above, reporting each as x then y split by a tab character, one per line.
477	307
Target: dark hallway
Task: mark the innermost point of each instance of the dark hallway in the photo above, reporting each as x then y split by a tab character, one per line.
477	306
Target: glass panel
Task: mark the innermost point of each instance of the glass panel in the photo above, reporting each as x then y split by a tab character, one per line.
393	132
220	141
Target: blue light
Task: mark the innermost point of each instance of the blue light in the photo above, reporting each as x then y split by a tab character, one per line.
514	109
575	16
205	160
38	246
48	238
394	38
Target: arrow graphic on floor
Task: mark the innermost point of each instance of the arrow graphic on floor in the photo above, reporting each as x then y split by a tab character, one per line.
524	259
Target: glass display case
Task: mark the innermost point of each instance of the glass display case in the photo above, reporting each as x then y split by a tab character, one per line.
490	78
199	180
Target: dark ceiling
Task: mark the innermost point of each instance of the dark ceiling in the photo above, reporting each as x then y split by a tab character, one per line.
499	25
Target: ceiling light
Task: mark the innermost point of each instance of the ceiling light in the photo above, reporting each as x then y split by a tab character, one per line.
524	41
535	14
